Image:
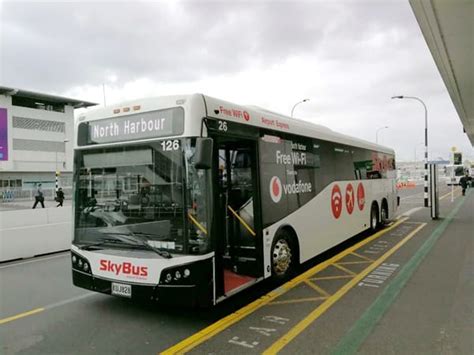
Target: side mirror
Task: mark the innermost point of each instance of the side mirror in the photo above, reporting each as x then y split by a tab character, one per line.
203	155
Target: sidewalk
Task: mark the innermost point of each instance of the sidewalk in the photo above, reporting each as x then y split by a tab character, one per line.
28	204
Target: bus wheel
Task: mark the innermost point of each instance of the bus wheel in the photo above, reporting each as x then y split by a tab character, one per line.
282	256
384	213
374	217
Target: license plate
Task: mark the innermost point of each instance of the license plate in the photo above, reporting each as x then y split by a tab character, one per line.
122	290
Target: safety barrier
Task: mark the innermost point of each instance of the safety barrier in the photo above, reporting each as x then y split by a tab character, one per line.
8	196
27	233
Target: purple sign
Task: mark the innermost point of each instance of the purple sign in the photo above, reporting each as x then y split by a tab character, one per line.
3	134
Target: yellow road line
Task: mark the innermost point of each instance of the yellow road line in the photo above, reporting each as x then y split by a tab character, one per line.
456	190
353	262
331	277
317	288
363	256
340	267
251	231
217	327
21	315
316	313
298	300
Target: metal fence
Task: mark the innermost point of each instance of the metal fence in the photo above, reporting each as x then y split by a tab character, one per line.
19	194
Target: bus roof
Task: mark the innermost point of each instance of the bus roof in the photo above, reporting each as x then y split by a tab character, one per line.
220	109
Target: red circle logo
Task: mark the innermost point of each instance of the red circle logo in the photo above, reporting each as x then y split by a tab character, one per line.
336	201
360	196
275	189
246	116
349	198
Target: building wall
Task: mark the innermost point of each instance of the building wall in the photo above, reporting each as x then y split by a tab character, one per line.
36	146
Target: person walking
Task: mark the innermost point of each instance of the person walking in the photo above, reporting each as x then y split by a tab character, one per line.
60	197
39	197
463	182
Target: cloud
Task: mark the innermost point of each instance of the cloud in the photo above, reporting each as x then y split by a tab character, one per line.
348	57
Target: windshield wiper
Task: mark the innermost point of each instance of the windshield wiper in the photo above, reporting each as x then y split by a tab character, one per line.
135	236
103	241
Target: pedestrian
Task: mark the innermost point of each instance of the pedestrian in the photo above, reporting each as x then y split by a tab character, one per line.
60	197
463	182
39	196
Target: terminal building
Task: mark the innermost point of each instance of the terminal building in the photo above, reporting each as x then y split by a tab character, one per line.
36	140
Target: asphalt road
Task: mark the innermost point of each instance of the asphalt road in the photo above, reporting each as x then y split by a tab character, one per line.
42	313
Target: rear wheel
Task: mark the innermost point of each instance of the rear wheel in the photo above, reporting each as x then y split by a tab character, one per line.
374	217
384	213
283	256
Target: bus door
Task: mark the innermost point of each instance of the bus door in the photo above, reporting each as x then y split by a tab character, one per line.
238	238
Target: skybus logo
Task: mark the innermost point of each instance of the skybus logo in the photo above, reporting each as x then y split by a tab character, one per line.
125	268
277	188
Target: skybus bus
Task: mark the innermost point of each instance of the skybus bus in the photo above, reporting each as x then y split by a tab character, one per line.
191	199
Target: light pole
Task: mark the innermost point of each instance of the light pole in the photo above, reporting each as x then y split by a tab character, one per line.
296	105
57	173
377	134
426	142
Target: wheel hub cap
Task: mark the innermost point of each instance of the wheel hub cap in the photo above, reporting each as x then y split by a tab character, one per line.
281	257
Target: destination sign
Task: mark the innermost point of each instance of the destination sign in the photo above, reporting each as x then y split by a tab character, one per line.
153	124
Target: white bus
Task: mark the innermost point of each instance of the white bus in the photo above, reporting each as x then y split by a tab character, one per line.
191	199
455	172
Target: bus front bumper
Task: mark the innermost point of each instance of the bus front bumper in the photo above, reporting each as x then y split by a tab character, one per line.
176	295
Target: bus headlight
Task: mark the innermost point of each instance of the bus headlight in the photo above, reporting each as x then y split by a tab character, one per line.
177	275
80	263
186	273
168	277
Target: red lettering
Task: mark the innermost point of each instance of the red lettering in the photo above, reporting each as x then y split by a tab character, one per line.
103	265
125	268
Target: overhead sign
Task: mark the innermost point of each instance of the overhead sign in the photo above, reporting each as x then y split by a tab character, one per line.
3	134
153	124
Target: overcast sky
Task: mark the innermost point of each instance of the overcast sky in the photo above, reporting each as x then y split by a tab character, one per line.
347	57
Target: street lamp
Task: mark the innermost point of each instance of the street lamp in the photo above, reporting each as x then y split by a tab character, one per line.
296	105
426	141
377	134
57	173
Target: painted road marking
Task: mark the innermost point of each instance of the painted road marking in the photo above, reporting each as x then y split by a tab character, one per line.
379	275
35	260
316	313
222	324
21	315
48	307
366	323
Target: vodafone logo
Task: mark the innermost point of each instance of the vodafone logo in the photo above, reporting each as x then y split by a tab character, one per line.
246	116
350	198
336	201
276	189
125	268
360	196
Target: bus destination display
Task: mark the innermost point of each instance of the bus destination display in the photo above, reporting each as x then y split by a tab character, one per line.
133	127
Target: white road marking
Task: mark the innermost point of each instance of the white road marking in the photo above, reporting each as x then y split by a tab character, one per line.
34	260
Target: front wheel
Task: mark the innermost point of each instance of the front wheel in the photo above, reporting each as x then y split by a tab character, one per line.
283	256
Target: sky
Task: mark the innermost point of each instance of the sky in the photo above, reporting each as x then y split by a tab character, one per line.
347	57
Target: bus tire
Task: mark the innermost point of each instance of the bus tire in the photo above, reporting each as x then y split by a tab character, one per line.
384	212
283	256
374	217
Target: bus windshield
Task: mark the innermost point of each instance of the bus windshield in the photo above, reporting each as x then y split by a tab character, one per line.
142	195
